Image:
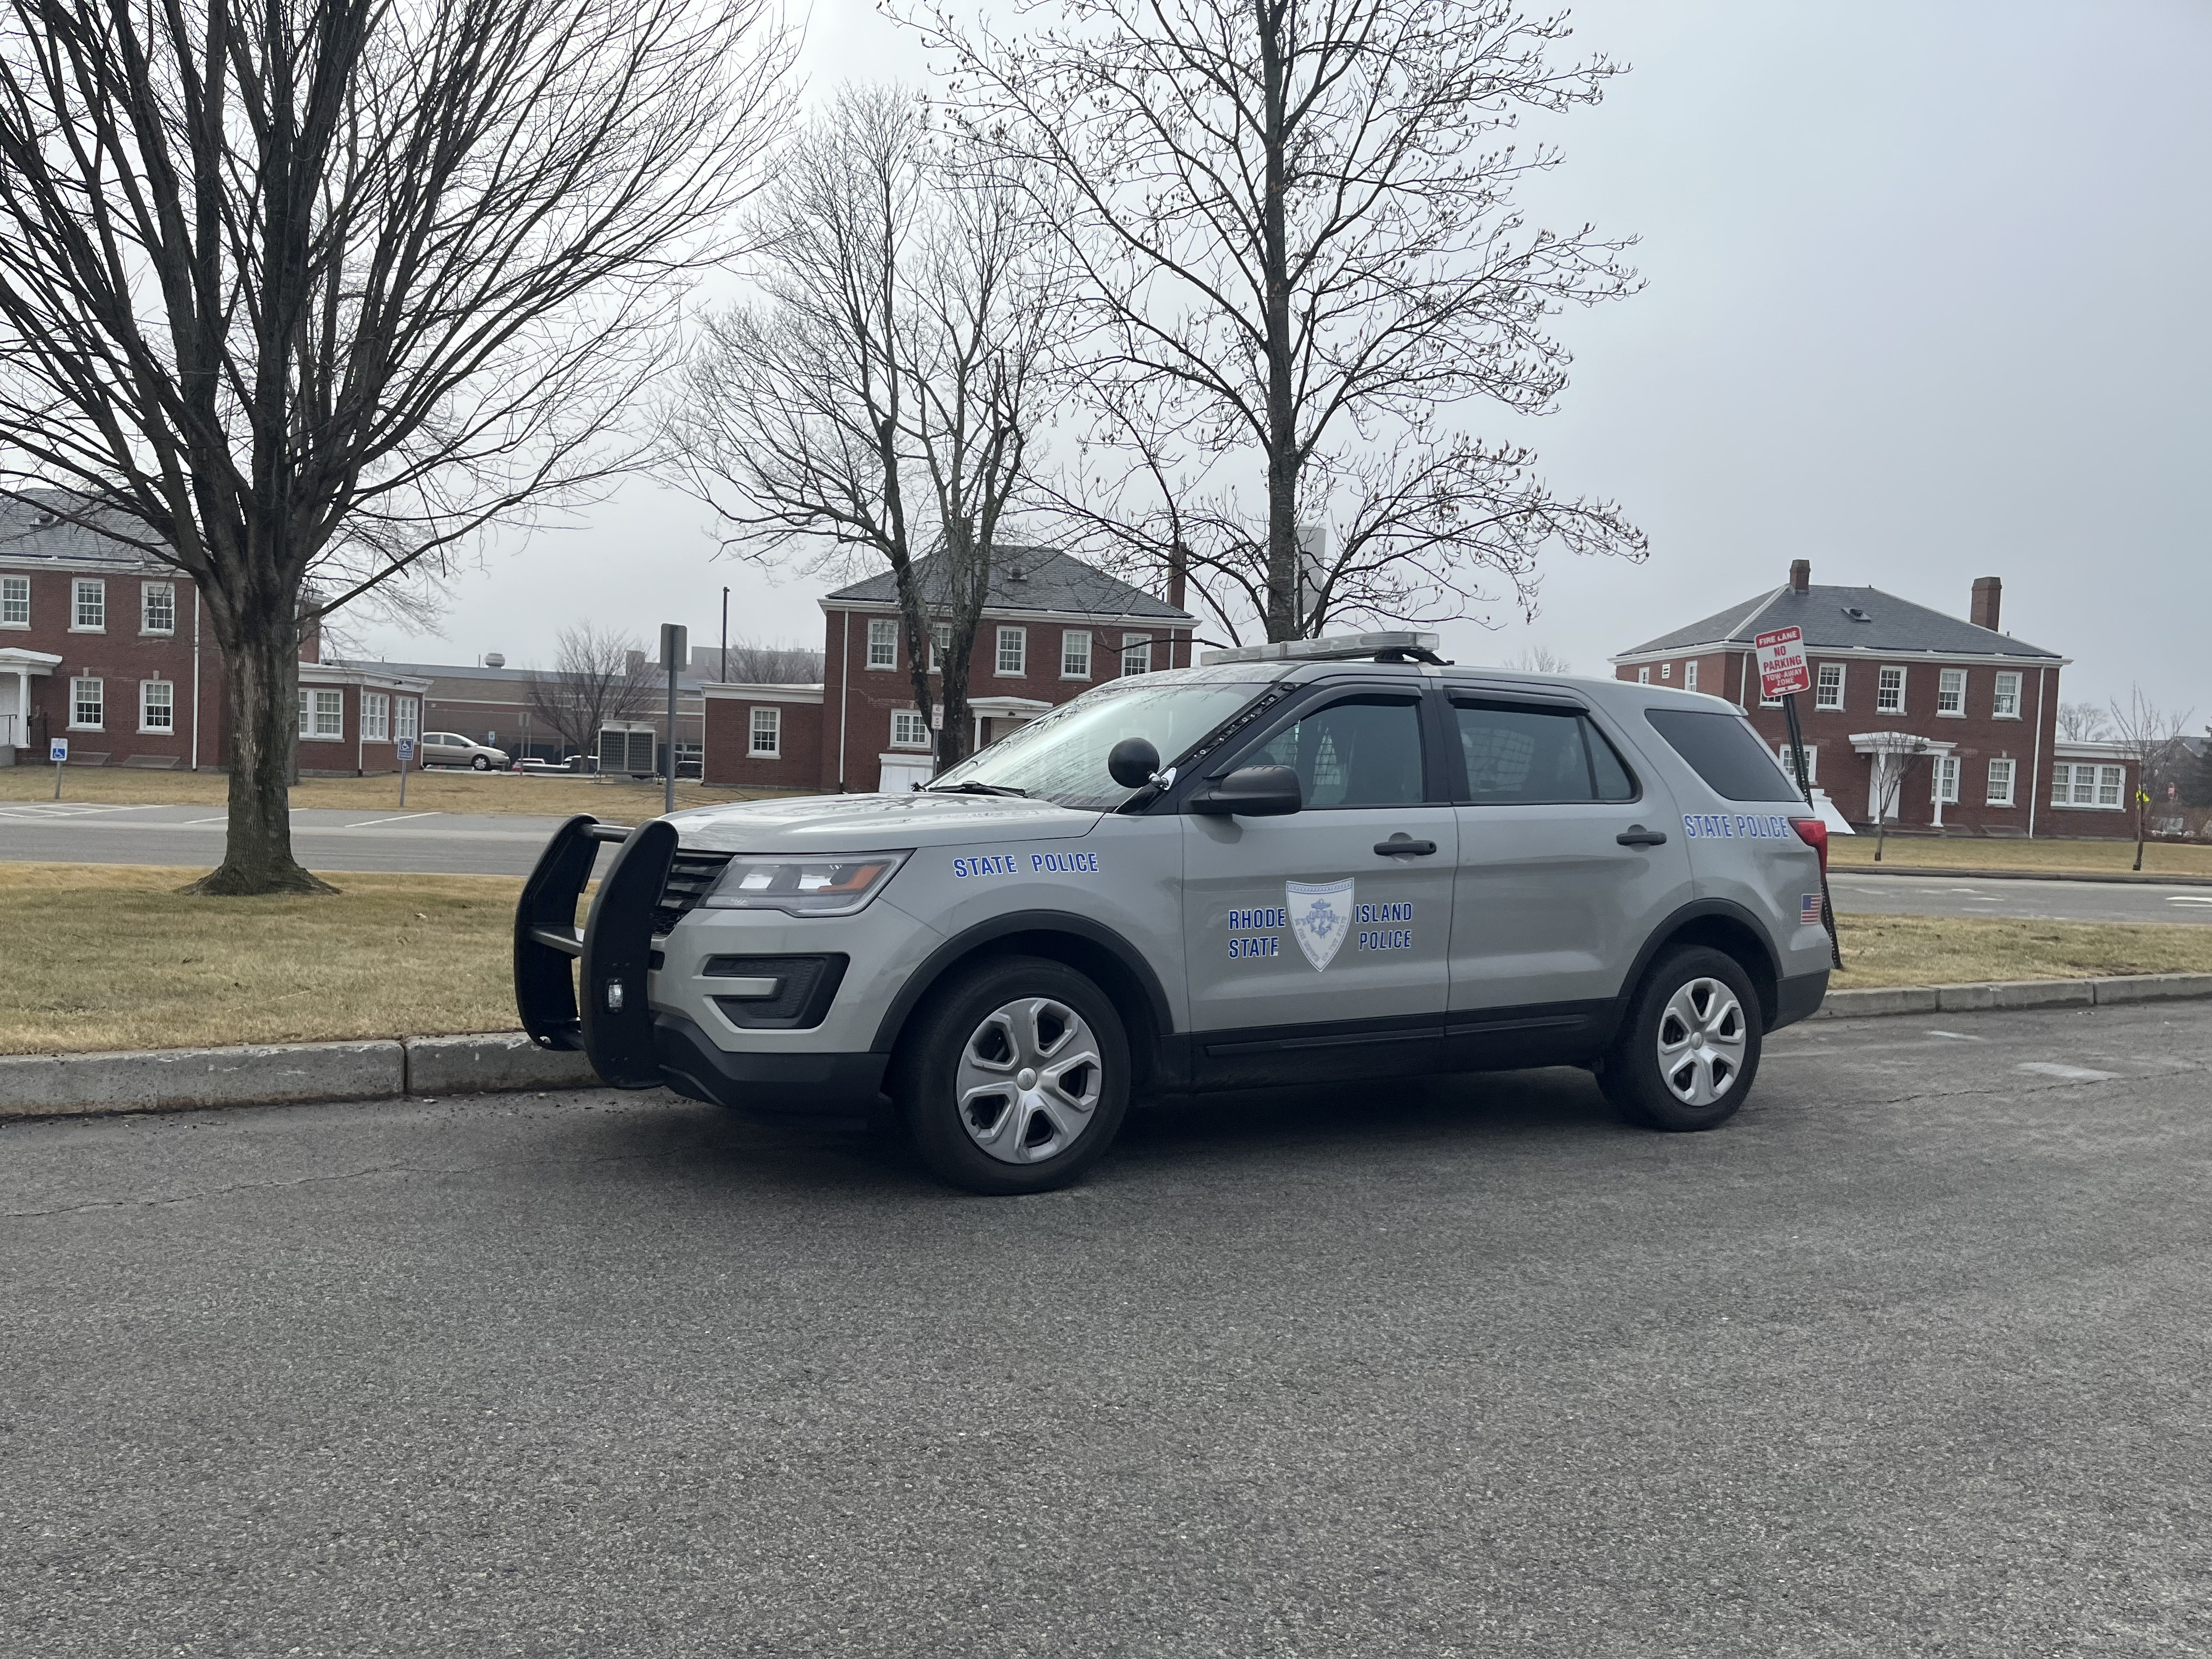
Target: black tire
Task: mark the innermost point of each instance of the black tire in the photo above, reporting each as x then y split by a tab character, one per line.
937	1066
480	764
1637	1078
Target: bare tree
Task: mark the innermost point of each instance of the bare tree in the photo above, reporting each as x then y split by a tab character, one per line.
754	663
327	288
597	677
2150	737
1297	229
1539	659
1891	762
2081	722
876	406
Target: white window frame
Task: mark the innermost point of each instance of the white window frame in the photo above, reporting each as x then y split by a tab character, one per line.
146	704
1821	685
1944	787
15	598
1951	693
1690	676
909	721
98	700
1644	675
409	725
883	641
1018	638
376	717
1136	649
2113	780
2004	701
940	643
1883	702
1074	654
314	706
1665	671
2000	793
766	720
1789	766
2083	785
81	589
148	593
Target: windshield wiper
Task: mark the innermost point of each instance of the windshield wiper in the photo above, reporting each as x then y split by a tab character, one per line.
969	786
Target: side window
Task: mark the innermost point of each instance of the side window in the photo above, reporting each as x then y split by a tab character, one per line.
1517	755
1365	752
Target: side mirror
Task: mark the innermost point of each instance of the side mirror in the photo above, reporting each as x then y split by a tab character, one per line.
1132	763
1252	792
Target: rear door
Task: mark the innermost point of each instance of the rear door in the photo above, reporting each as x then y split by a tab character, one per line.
1322	937
1569	854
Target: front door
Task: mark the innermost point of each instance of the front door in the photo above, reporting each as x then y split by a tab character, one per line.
1317	938
1552	906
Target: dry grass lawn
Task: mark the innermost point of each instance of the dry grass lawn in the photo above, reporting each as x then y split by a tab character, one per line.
441	790
102	957
2028	857
1954	950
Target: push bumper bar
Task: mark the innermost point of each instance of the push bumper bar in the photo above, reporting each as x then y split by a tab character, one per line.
613	953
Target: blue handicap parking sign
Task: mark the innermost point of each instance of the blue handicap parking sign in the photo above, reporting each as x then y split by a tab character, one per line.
407	749
59	750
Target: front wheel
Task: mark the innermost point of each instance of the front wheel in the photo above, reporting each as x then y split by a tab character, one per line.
482	764
1014	1077
1689	1048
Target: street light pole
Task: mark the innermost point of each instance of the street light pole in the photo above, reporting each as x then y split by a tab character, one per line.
726	636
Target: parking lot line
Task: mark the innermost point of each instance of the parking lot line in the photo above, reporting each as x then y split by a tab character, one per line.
400	818
2071	1074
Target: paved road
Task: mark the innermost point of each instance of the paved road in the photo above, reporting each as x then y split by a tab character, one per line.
1910	1358
2056	900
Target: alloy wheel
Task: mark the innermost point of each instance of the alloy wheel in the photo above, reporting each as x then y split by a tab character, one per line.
1029	1080
1702	1039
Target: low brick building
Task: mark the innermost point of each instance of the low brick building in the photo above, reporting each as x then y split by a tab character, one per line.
1926	719
1052	628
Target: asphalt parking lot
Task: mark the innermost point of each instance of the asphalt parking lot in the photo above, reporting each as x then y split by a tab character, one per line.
1909	1358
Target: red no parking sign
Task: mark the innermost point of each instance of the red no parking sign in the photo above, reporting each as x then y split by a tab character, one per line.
1782	668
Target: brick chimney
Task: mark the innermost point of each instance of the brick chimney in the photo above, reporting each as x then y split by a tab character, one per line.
1989	591
1801	576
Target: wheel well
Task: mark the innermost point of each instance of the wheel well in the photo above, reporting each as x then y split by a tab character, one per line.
1736	939
1097	963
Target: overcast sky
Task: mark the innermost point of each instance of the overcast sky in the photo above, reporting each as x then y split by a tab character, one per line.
1927	301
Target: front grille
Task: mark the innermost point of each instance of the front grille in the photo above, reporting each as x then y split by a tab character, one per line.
690	875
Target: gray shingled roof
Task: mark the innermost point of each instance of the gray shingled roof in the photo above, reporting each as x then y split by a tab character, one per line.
29	529
1035	579
1891	624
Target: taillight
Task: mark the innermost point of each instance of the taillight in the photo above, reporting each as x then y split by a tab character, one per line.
1814	834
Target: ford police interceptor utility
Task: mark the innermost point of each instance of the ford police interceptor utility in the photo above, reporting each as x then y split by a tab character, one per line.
1330	859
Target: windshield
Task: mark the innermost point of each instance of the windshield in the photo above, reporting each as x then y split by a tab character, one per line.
1061	758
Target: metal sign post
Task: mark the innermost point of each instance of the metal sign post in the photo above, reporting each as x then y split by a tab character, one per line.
675	647
1782	675
58	750
406	754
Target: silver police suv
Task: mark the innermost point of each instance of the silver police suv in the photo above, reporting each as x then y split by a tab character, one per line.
1334	858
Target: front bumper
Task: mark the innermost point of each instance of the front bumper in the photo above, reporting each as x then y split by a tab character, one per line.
603	1006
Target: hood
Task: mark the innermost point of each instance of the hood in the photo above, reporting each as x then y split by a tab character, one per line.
862	823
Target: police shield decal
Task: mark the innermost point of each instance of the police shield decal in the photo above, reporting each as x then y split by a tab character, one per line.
1321	916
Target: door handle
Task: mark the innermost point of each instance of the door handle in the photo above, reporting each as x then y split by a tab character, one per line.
1403	843
1637	836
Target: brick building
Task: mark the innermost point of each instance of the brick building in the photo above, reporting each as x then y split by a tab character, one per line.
1051	627
103	645
1936	723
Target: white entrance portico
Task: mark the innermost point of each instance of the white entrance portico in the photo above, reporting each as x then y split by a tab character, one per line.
17	667
1004	714
1893	752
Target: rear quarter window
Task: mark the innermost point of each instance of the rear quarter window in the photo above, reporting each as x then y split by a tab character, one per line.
1724	751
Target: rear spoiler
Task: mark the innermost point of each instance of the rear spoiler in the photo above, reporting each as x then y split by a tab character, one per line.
613	952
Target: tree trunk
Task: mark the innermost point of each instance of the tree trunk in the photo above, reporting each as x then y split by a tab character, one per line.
261	680
1286	611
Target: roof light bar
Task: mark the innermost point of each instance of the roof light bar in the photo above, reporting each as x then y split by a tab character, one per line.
1336	647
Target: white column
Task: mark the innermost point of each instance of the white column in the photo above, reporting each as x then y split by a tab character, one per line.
22	706
1937	788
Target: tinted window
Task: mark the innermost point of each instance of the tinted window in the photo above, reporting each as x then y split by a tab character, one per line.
1518	755
1722	751
1361	753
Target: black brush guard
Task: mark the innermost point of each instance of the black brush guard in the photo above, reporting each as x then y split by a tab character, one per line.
613	953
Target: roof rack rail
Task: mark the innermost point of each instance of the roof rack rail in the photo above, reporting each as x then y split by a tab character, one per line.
1339	647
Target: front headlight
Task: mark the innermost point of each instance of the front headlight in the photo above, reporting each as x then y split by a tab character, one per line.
835	884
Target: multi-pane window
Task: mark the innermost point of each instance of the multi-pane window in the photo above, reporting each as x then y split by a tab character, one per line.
1643	676
2080	785
1946	780
1951	691
88	705
1665	671
940	644
1889	691
883	642
410	714
157	608
2000	791
89	613
1689	677
1828	686
1136	654
14	601
768	726
157	706
908	730
1013	650
376	716
2005	705
1074	655
322	713
1782	752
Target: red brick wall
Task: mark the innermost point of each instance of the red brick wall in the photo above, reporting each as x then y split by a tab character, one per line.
729	760
122	658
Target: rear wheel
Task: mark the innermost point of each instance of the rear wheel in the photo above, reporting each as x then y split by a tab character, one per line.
1689	1050
1014	1077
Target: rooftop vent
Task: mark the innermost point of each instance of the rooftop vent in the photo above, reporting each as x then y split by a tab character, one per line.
495	659
1856	614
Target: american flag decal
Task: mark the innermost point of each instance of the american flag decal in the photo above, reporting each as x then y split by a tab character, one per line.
1809	911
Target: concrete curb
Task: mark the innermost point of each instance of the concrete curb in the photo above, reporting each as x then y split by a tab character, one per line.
2121	877
2012	993
286	1074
